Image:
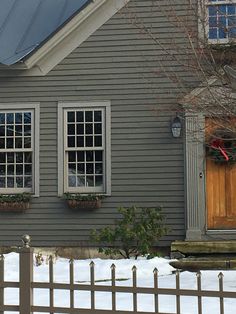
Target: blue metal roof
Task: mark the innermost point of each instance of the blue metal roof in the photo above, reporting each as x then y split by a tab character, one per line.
26	24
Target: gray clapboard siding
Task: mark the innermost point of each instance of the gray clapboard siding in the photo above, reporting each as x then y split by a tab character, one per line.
119	64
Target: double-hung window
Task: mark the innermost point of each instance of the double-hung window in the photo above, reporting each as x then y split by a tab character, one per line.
84	142
19	148
221	21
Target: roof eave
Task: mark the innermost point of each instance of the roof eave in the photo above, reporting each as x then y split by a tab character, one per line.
17	66
68	38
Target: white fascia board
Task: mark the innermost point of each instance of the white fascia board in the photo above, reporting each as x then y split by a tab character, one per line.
73	34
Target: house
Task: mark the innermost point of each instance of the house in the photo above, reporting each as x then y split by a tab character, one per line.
86	89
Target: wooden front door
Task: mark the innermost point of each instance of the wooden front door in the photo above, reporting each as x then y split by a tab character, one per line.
220	191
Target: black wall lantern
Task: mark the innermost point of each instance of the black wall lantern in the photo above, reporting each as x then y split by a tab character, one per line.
176	127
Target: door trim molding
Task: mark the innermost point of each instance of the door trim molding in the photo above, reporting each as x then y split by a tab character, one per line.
195	176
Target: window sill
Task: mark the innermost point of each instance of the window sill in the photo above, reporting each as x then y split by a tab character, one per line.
222	53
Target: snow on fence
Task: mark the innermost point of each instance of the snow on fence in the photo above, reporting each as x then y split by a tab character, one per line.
26	285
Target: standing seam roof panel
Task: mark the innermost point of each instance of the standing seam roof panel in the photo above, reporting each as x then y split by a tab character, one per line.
26	24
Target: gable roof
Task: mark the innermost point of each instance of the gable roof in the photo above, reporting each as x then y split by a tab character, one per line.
26	24
216	95
36	35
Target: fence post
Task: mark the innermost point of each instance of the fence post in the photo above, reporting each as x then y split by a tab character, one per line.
26	276
156	296
135	305
177	292
221	289
2	282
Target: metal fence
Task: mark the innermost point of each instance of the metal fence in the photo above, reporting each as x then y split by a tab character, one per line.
26	286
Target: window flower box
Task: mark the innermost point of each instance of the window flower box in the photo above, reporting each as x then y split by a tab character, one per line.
83	201
14	206
14	202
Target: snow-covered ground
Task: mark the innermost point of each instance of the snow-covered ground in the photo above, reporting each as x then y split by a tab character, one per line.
124	274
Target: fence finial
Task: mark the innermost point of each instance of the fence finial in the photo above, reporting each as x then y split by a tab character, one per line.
26	240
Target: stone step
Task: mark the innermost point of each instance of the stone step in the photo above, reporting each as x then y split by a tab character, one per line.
188	248
196	264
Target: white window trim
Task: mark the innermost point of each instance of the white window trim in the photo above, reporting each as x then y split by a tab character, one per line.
203	23
35	107
61	137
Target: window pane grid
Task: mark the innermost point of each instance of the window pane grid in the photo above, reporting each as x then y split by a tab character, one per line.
222	20
84	149
84	129
85	169
15	130
15	170
16	151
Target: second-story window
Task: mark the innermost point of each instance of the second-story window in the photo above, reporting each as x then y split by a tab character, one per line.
221	24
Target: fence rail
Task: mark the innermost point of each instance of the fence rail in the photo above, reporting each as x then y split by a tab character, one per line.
26	286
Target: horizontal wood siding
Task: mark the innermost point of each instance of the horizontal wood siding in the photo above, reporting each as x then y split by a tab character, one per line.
120	64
